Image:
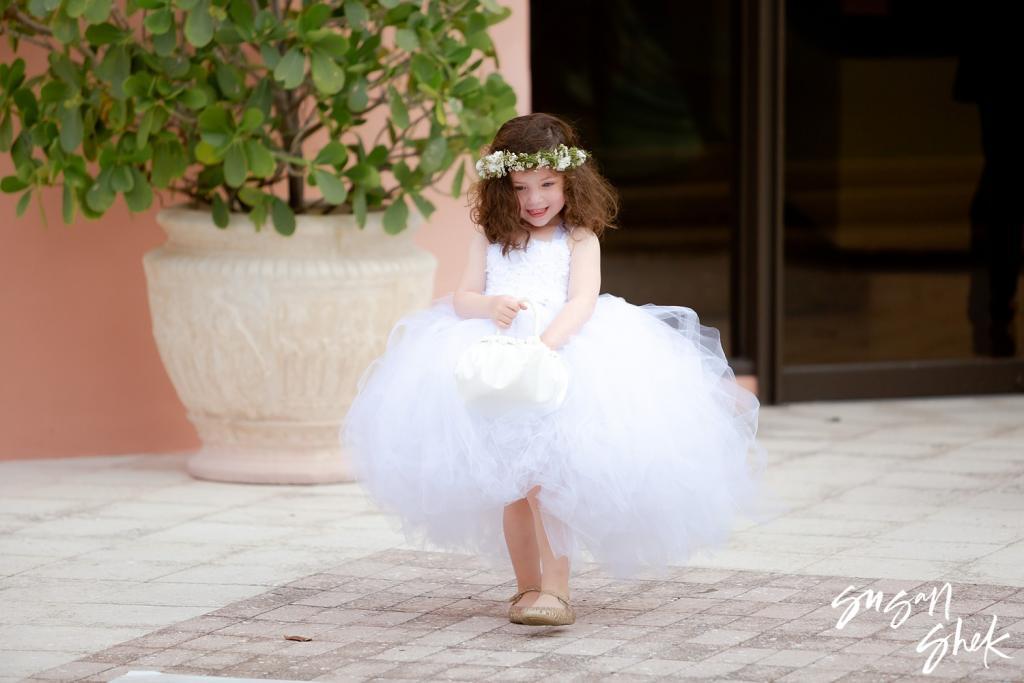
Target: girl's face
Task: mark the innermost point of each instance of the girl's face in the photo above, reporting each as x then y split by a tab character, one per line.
540	195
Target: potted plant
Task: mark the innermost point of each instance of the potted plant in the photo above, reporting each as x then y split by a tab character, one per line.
326	120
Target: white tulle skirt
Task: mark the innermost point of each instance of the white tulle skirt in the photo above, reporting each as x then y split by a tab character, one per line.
650	458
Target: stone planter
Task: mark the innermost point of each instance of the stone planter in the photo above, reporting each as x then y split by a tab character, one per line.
264	336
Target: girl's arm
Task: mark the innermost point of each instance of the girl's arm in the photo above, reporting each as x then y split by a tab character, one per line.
469	300
584	287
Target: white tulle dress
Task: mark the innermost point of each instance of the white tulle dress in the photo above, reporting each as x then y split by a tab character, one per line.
651	456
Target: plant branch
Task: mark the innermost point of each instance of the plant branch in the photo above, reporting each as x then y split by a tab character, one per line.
33	40
120	18
184	118
29	21
44	30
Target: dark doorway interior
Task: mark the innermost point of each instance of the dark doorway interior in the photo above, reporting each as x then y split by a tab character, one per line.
884	156
650	86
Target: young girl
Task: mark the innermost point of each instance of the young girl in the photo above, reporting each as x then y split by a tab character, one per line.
649	457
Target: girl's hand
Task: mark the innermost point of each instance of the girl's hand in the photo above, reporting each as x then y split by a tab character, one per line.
504	309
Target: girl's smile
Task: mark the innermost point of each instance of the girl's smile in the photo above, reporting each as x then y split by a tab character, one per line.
540	194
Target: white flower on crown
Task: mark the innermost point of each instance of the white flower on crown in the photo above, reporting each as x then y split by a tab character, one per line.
501	162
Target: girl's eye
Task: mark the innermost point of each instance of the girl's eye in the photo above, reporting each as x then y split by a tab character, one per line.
549	184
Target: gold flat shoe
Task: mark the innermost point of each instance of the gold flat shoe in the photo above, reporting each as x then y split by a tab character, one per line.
515	611
549	616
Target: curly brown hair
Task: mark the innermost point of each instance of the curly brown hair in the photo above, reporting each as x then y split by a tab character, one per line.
590	200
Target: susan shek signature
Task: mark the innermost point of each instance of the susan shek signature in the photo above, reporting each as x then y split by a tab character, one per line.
936	641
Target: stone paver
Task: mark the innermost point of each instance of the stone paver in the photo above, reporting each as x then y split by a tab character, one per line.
705	642
111	564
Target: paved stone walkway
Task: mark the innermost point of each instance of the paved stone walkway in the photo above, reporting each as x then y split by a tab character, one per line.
401	615
125	563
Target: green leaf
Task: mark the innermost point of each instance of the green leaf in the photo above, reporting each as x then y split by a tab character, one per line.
258	216
313	18
70	128
403	175
166	43
199	25
250	196
159	22
12	183
378	156
261	161
207	153
121	179
334	44
333	153
364	174
215	119
99	198
141	196
221	216
235	167
262	96
145	127
396	216
68	205
169	162
423	204
241	14
291	70
115	68
406	39
459	55
139	86
75	8
194	98
251	120
64	28
104	34
433	154
356	13
97	11
230	81
359	206
328	77
457	182
423	68
6	132
271	57
284	219
330	186
399	112
357	98
23	203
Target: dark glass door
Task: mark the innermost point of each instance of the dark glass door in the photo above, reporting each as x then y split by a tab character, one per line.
651	87
904	197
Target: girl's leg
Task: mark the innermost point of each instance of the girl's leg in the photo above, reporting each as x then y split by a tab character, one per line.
555	570
522	548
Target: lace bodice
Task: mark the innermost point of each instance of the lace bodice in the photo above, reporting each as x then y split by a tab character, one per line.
540	272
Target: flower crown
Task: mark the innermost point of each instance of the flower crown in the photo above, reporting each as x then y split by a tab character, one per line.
559	158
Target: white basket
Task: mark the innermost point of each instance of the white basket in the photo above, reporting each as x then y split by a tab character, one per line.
505	375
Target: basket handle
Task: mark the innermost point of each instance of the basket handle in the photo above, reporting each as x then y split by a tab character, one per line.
536	320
